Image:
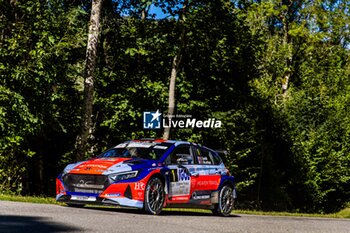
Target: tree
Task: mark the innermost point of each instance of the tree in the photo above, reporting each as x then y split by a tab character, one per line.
175	67
90	66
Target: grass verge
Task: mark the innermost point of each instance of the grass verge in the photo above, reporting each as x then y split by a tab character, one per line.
32	199
342	214
345	213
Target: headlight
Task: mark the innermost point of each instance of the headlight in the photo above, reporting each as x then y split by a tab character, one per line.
122	176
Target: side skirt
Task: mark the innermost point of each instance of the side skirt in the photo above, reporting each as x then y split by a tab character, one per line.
190	206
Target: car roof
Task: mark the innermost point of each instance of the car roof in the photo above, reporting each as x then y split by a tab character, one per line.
176	142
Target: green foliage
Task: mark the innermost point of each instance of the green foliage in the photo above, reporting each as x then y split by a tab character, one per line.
311	124
16	125
40	62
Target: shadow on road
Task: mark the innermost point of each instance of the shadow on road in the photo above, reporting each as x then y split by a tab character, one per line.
165	212
26	224
189	213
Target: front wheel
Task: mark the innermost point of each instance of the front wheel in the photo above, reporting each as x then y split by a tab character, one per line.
226	201
154	196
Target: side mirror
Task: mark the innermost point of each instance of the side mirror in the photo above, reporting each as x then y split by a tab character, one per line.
182	161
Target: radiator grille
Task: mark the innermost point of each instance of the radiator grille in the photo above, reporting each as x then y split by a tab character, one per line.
85	183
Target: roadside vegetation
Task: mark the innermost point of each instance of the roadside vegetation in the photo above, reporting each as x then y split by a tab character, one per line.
345	213
275	72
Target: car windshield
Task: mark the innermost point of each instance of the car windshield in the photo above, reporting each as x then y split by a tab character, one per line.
142	150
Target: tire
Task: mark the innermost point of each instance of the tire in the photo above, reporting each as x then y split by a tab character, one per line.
154	196
226	202
75	205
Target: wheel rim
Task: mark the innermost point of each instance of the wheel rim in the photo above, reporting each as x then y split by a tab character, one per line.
226	200
155	195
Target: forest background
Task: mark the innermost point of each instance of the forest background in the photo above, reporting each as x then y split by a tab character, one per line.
276	73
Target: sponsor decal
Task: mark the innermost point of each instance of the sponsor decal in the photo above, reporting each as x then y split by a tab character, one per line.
139	186
154	168
183	174
83	198
200	197
180	182
140	144
121	145
90	166
83	183
180	198
95	170
207	182
153	120
179	188
160	147
113	194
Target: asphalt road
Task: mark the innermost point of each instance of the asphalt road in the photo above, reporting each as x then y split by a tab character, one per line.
37	218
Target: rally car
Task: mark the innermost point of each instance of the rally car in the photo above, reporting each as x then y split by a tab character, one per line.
150	175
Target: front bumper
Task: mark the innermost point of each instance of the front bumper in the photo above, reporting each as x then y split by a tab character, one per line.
118	194
97	200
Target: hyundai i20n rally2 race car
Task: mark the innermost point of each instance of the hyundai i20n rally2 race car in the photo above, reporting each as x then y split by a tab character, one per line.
150	175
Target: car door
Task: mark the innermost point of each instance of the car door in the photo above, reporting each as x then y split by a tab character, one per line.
181	164
209	177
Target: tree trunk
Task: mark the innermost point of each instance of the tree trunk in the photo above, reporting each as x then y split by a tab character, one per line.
90	65
286	44
144	11
285	83
174	71
171	102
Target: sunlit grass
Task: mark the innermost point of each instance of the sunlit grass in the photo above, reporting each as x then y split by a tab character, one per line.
345	213
31	199
290	214
267	213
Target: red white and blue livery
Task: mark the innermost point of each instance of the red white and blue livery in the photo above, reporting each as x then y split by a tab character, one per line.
150	175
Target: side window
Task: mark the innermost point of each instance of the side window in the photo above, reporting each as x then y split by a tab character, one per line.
204	157
199	155
216	158
180	152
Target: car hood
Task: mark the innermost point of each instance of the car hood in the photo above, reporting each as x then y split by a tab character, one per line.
101	166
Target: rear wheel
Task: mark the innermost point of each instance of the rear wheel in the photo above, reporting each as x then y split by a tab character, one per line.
154	196
226	201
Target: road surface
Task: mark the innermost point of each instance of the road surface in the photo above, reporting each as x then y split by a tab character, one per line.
17	217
